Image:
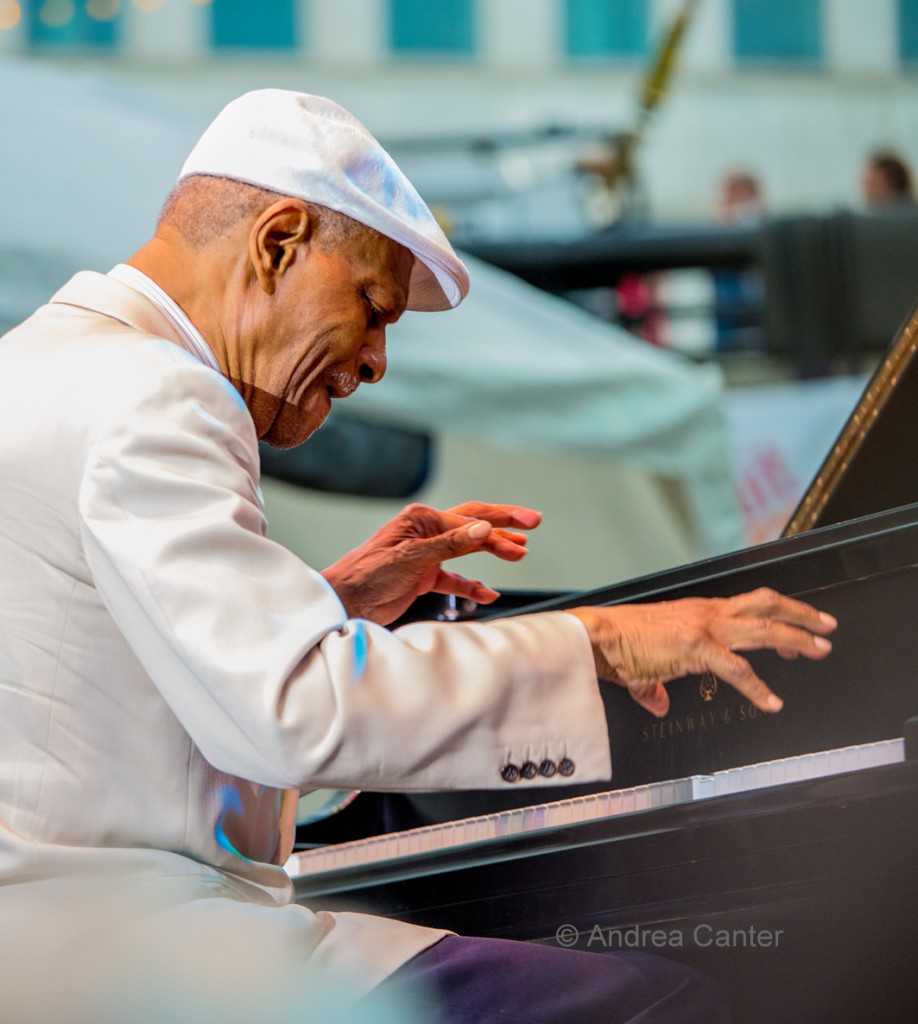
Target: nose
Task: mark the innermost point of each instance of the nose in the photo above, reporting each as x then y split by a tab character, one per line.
373	358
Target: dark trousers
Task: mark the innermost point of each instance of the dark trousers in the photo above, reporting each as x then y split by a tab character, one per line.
475	981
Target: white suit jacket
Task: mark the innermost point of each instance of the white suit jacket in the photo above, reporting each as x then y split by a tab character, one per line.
166	670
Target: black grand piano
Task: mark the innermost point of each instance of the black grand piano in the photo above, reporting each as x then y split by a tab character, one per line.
778	854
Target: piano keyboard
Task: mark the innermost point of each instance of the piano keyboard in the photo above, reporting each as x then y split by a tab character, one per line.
469	832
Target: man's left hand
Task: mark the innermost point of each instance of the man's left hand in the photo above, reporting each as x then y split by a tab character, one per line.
402	560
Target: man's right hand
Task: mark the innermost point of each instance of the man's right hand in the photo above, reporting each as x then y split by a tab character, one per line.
642	647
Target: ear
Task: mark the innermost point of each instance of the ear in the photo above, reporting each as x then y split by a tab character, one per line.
274	238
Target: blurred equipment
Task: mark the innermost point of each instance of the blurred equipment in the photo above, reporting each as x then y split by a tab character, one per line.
499	183
836	286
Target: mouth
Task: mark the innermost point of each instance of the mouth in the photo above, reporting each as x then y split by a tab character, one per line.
341	387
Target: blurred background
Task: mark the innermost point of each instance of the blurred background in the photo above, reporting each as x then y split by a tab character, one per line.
690	225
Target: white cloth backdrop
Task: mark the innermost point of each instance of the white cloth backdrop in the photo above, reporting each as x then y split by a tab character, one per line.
779	437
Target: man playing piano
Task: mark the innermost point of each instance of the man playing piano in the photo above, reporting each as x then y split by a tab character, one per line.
167	673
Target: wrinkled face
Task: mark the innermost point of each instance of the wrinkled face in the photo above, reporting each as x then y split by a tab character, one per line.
321	333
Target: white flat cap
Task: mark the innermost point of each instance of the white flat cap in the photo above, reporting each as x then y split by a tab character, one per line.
309	147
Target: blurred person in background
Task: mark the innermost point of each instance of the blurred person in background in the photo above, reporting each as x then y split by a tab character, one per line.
886	181
738	294
739	199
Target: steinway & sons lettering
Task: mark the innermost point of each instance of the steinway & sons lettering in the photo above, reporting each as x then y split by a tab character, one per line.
702	721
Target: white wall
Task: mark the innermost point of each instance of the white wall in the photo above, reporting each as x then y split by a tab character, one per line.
804	133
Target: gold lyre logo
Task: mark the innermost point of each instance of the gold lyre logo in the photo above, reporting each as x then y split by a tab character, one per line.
708	686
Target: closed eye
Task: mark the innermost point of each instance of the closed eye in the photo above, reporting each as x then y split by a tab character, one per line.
376	317
372	311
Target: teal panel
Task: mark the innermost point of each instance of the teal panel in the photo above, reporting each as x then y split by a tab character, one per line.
908	30
597	28
254	24
777	30
432	26
65	24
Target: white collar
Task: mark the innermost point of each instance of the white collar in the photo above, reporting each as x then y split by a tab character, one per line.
191	337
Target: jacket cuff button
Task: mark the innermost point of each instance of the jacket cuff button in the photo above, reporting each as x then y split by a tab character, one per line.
529	770
509	773
547	768
567	766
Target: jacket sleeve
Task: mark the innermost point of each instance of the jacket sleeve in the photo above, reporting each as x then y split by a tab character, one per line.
254	653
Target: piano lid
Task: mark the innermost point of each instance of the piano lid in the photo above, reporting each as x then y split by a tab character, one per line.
873	465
